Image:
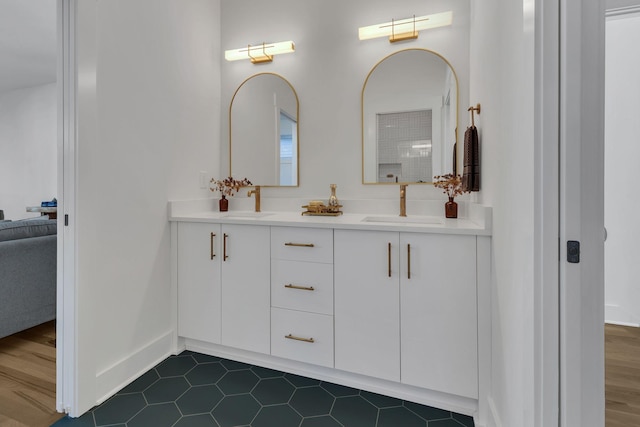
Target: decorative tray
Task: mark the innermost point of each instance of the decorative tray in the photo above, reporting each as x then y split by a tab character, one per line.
322	210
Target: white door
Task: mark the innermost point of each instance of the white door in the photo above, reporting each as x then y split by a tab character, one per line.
582	213
199	281
367	303
439	326
246	304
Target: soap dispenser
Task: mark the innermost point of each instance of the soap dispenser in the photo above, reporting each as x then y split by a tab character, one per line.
333	200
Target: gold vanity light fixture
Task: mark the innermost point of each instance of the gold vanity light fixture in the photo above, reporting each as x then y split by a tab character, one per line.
260	53
405	29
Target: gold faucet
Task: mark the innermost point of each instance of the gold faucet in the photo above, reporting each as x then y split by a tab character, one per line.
403	199
255	192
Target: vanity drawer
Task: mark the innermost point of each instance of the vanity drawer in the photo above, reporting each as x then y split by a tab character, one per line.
297	335
304	286
302	244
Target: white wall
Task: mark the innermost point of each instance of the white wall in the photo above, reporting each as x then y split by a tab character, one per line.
149	122
328	70
622	149
502	80
28	143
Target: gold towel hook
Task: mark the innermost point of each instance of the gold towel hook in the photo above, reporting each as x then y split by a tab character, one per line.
472	109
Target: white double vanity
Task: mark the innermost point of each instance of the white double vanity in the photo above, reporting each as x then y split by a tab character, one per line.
393	305
397	306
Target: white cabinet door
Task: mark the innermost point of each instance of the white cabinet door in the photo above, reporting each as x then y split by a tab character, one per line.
246	287
367	318
439	313
199	281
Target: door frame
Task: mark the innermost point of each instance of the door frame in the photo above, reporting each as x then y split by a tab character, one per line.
66	367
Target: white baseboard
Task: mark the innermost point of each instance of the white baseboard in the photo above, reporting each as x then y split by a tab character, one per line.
494	417
616	315
112	379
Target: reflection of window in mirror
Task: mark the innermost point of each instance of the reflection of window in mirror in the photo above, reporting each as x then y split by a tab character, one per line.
288	150
404	146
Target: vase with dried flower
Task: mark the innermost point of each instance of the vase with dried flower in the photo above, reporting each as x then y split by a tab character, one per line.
452	186
227	187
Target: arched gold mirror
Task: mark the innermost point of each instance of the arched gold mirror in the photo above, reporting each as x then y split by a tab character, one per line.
263	131
409	119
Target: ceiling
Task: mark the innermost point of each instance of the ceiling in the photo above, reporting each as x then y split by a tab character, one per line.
27	43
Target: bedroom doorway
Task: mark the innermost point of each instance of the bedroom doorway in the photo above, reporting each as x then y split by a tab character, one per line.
28	177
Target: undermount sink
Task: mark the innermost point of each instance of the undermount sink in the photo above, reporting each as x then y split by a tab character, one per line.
245	215
426	220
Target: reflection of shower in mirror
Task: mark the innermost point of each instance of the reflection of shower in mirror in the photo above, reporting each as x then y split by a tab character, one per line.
409	118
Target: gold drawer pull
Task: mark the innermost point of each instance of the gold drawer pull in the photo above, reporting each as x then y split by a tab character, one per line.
225	236
212	254
292	337
300	245
408	261
389	258
302	288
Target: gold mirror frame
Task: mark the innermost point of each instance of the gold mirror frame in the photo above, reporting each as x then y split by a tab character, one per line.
364	87
297	128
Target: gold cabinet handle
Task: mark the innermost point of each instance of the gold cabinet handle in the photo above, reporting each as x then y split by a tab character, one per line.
225	236
302	288
293	337
408	261
389	258
212	237
300	245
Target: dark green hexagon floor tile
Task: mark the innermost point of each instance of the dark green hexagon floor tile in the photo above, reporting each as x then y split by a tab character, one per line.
175	366
399	416
266	373
236	382
202	420
339	390
445	423
299	381
427	412
232	365
236	410
324	421
84	421
465	420
166	390
354	411
163	415
205	358
196	390
273	391
380	401
277	416
312	401
208	373
119	409
141	383
200	399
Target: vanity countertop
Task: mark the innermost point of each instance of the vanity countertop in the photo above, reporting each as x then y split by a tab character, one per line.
377	222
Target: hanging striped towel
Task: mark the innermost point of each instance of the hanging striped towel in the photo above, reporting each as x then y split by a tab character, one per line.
471	171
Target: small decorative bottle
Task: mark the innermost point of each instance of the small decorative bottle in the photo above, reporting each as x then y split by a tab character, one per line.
223	204
333	200
451	209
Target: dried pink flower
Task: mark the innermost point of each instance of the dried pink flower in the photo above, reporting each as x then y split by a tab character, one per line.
229	185
450	183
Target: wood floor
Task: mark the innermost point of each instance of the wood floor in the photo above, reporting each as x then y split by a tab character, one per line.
622	376
28	378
